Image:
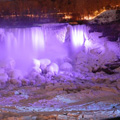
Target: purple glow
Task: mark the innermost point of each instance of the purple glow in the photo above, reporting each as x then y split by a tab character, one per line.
77	36
25	44
51	42
81	40
56	68
38	39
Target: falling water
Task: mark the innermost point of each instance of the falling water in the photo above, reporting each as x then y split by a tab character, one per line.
21	44
51	41
24	44
79	36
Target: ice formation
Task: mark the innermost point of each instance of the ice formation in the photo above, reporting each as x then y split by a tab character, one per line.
36	66
44	63
52	69
66	66
52	48
78	36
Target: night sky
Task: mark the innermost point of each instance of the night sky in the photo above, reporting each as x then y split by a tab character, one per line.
58	5
78	9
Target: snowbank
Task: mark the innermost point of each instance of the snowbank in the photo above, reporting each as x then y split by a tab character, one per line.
105	17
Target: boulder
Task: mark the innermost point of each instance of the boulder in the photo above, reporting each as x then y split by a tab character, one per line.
44	63
52	69
3	77
66	66
15	82
25	82
15	74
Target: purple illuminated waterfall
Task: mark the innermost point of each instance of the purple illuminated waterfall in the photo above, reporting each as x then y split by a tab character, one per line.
79	36
21	44
47	41
24	44
54	42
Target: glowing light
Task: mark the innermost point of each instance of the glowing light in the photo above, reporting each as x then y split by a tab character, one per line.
77	38
36	62
38	39
80	38
67	17
90	17
24	44
101	12
88	44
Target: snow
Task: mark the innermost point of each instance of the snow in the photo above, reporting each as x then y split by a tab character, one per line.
105	17
52	69
44	63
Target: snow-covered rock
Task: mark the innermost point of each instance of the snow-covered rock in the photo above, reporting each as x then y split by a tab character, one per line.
32	82
66	66
32	75
52	69
44	63
36	63
3	77
37	70
105	17
25	82
15	82
15	74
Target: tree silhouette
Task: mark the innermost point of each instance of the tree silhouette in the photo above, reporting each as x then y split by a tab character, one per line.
53	0
69	2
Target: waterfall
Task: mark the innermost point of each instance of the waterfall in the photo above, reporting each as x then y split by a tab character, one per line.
24	44
51	41
46	41
79	36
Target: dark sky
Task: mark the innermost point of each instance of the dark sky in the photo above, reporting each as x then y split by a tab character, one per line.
81	6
